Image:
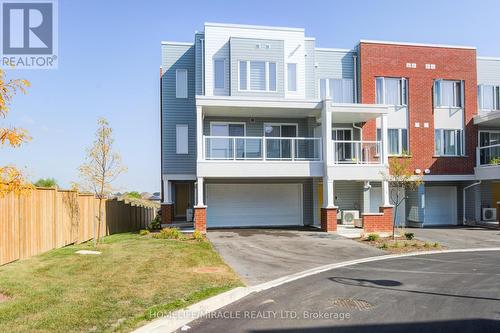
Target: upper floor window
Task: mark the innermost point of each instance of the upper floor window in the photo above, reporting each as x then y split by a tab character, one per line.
257	75
291	72
488	97
219	74
339	90
398	140
181	83
448	142
391	91
448	93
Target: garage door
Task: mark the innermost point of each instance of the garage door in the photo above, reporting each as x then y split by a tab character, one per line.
440	205
245	205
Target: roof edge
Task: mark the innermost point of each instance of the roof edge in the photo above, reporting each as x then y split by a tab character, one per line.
369	41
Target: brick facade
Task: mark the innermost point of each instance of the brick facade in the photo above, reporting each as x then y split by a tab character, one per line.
167	213
450	63
329	219
378	222
200	219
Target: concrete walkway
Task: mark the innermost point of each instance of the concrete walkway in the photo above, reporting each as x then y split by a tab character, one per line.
261	255
460	237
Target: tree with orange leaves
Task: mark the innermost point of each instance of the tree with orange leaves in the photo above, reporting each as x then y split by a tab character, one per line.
11	179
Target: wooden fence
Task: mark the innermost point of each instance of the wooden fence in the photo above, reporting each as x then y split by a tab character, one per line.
47	219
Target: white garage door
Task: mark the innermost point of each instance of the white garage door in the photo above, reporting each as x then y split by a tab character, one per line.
440	205
245	205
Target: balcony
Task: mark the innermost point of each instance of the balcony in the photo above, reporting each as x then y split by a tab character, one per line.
488	162
249	156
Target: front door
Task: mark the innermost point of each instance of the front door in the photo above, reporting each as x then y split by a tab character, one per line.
181	199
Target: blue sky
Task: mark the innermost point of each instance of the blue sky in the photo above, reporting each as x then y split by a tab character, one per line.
110	58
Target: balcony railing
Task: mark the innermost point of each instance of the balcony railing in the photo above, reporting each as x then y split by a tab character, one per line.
488	155
262	148
357	152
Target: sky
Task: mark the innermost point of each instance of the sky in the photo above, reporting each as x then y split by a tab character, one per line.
109	59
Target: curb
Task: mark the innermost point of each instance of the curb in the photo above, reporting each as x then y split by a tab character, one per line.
179	318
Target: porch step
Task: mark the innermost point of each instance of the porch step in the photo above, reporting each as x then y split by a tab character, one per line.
183	226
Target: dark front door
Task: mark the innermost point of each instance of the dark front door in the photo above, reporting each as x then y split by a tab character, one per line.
182	203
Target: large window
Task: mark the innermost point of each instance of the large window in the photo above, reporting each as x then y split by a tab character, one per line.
257	75
391	91
219	74
181	83
398	140
448	93
339	90
488	97
448	142
291	70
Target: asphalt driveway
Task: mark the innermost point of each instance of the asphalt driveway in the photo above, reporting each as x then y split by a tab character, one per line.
445	292
261	255
461	237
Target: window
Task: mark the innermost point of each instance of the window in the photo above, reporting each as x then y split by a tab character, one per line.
219	73
181	139
292	77
448	142
277	144
488	97
398	140
448	93
222	147
339	90
181	83
343	150
257	75
391	91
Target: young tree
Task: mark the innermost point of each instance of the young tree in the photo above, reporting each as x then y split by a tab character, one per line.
402	180
46	182
11	179
101	167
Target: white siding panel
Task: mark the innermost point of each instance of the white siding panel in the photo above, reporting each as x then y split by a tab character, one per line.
448	118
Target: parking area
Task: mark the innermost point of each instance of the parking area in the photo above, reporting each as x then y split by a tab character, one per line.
261	255
462	237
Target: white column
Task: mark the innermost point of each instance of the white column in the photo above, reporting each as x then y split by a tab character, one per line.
326	133
328	193
385	193
167	191
199	188
199	133
385	139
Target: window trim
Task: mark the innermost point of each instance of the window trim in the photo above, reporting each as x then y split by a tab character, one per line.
438	98
178	142
266	78
462	143
224	74
327	88
496	97
400	141
484	131
287	77
403	87
177	71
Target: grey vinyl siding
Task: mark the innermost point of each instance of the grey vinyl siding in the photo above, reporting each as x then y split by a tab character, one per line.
246	49
307	190
488	71
256	128
178	110
310	70
336	64
199	59
348	195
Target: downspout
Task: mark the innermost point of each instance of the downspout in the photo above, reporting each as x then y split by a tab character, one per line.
360	131
355	76
463	199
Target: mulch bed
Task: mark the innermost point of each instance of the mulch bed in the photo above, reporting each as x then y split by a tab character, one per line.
401	245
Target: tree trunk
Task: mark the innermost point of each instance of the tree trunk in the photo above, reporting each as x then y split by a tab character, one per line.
99	218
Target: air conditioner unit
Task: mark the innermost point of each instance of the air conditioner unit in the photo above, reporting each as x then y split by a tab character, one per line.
489	214
349	216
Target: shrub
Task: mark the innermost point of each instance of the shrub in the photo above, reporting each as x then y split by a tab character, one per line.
197	235
384	246
46	182
143	232
168	233
397	244
409	235
372	237
427	245
495	161
156	223
435	244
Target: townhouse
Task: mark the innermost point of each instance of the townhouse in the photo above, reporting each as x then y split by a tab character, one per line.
260	127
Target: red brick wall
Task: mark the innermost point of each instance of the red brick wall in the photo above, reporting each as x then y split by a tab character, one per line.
454	64
200	219
328	219
380	222
167	214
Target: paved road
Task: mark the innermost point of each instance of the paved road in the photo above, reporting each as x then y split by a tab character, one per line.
446	292
462	237
261	255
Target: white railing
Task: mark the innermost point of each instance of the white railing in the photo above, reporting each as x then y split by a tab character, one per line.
488	155
261	148
357	152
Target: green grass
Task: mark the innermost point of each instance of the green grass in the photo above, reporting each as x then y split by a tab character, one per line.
134	277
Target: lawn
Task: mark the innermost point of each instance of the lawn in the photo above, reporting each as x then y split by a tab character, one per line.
61	291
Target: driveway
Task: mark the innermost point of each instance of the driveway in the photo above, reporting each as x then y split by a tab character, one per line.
445	292
261	255
460	237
